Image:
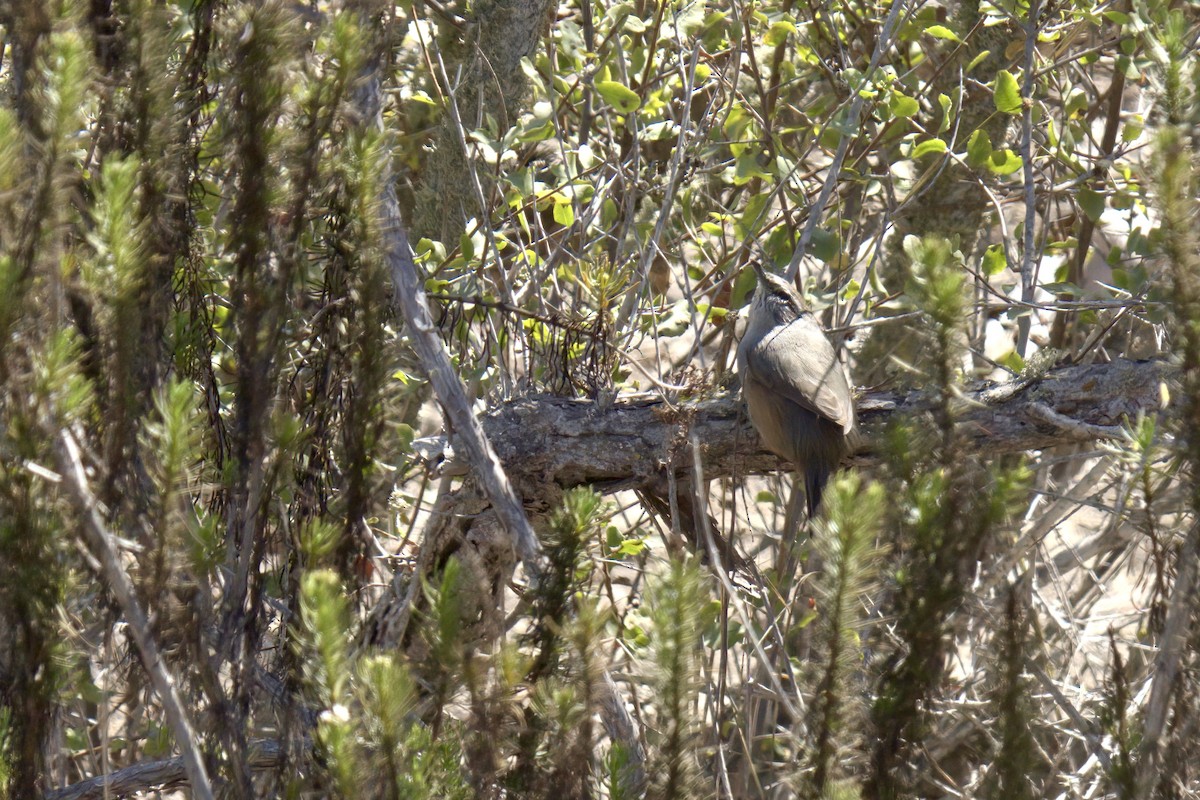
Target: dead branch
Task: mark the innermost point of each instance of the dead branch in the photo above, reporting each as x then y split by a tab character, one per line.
155	776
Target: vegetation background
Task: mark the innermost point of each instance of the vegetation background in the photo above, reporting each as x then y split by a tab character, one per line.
257	258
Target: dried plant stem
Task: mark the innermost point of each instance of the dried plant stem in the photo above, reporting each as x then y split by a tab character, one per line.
100	539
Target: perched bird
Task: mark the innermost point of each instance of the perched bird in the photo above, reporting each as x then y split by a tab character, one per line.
794	385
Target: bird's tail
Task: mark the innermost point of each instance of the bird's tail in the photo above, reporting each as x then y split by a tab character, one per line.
815	479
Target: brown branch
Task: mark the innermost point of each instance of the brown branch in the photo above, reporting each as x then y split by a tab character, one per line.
1171	647
550	443
630	444
155	776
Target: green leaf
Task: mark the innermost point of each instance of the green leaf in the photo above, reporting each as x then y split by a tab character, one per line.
613	537
1007	93
1064	288
535	131
778	33
826	245
1004	162
713	312
927	147
631	547
522	181
1078	102
737	121
947	110
994	260
806	619
1092	203
857	82
979	148
977	60
564	213
427	249
748	166
622	18
754	216
76	740
405	434
487	149
619	96
1012	359
903	106
942	32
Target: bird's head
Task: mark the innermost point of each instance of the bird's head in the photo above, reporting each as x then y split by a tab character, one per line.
776	296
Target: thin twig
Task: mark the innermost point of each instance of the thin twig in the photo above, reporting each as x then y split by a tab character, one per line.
1085	727
794	706
835	167
409	294
651	249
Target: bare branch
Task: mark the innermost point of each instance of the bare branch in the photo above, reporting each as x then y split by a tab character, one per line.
154	775
411	302
1027	250
1075	426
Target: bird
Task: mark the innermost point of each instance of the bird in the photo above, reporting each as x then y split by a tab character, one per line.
795	387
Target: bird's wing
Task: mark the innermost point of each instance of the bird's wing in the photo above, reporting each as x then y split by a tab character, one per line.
799	363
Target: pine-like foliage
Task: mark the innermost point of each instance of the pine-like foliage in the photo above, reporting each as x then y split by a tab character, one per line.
675	605
949	507
1015	768
1163	766
369	737
847	541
